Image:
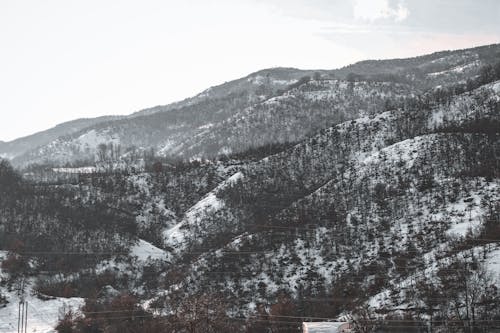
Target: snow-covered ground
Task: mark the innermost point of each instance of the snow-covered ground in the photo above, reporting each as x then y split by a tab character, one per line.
493	263
175	236
323	327
145	251
88	169
458	69
42	315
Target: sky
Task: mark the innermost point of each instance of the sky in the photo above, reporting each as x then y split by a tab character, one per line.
67	59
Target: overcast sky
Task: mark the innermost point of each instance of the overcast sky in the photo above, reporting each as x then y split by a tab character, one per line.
67	59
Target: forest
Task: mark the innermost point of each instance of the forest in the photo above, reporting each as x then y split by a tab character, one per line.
367	194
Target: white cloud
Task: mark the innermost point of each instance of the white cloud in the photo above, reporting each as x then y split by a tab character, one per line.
371	10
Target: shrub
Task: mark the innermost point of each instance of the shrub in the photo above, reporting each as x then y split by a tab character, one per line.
14	265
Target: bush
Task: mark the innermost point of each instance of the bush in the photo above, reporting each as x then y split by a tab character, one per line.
66	323
14	265
3	300
102	315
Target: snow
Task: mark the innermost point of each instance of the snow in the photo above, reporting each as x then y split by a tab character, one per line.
466	216
225	151
283	82
437	118
386	297
145	251
493	263
7	156
406	151
458	69
322	327
88	169
209	204
205	93
42	315
461	69
496	87
92	139
167	146
259	79
206	126
275	100
142	183
464	107
462	228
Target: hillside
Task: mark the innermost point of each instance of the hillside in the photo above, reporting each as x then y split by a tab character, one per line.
371	197
273	105
160	126
17	147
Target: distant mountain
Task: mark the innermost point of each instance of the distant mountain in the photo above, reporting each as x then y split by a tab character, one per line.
163	125
17	147
270	106
443	64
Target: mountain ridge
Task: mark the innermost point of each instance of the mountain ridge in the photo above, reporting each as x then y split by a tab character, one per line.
267	83
373	198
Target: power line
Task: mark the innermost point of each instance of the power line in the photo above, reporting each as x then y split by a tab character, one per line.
49	253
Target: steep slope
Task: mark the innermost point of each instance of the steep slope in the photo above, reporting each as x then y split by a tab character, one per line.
385	207
292	116
354	210
49	219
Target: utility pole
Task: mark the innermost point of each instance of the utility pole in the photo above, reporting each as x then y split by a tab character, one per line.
22	319
26	318
466	276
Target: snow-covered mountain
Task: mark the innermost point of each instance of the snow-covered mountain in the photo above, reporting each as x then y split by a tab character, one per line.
159	126
20	146
369	193
266	107
350	201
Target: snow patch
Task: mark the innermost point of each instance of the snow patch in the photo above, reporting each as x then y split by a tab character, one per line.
176	235
42	315
496	87
145	251
88	169
92	139
206	126
493	263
